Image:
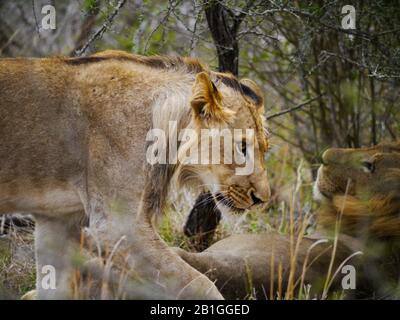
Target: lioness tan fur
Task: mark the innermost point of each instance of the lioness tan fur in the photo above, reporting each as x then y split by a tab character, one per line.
359	191
73	145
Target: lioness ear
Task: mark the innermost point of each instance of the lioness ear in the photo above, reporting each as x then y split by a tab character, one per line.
206	101
255	92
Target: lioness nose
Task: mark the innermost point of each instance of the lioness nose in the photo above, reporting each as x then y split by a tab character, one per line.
259	190
260	195
255	199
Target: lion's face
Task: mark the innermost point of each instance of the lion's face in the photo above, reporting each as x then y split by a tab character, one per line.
237	180
361	183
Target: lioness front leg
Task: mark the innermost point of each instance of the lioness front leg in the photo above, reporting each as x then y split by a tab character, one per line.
150	268
56	245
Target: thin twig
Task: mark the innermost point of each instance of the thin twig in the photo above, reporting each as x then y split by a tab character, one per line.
36	20
373	71
99	33
299	106
10	40
335	242
170	8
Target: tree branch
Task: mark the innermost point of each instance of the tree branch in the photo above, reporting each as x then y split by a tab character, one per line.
299	106
99	33
88	24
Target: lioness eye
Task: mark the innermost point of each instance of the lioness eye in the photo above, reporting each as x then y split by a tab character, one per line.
244	148
368	166
241	147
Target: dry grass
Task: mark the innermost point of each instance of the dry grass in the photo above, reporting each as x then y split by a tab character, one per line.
17	264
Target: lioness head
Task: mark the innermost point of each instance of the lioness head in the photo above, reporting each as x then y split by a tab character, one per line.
228	156
363	187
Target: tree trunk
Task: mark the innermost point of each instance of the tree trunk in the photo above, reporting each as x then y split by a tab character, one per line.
223	28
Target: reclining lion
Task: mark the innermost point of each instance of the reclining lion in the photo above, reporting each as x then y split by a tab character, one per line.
359	190
77	139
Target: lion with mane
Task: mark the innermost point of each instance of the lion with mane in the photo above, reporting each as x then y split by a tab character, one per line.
73	146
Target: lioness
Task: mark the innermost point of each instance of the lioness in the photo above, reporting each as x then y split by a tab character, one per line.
359	190
73	144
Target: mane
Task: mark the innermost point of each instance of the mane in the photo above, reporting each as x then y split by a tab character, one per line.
378	217
373	227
